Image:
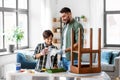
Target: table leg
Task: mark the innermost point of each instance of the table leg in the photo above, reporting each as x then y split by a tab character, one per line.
45	78
10	77
40	78
78	78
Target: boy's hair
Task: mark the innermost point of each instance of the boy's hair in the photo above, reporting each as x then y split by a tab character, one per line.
65	10
47	34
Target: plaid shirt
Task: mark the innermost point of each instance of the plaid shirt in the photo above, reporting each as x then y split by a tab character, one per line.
42	60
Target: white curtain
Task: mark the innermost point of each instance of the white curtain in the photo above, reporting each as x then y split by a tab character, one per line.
46	14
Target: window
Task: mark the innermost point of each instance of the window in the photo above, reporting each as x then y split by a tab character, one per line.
111	23
9	25
1	33
10	3
22	4
22	21
13	13
0	3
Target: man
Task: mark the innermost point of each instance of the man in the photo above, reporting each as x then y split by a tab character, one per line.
69	23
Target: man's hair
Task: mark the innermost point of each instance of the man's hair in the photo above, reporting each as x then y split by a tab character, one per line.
65	10
47	34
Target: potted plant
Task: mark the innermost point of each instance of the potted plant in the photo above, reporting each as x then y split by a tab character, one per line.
84	19
16	36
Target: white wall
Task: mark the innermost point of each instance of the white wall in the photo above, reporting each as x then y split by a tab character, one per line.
96	18
36	23
78	7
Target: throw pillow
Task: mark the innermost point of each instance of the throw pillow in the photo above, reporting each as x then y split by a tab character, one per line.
114	54
29	58
86	57
105	57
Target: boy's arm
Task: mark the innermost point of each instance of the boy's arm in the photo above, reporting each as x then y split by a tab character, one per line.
38	51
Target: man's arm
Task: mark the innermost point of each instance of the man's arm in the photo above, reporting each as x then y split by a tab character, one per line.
69	49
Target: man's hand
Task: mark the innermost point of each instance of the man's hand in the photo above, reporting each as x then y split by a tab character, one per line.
60	64
61	51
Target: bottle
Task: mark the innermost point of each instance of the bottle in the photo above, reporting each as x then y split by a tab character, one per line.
18	67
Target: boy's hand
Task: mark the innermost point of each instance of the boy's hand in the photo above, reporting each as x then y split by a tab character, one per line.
44	51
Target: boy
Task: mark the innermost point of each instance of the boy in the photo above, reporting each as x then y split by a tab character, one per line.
42	51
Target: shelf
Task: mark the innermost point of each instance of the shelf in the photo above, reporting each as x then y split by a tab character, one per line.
56	29
56	40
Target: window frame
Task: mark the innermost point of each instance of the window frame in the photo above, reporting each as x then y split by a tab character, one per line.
105	25
17	11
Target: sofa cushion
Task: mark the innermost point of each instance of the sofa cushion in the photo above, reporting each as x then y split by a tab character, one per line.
107	67
105	57
114	54
86	57
29	58
29	55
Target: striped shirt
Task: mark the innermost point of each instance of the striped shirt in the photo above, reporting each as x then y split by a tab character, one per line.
41	63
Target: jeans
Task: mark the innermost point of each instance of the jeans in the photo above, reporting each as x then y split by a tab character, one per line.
66	66
66	63
24	63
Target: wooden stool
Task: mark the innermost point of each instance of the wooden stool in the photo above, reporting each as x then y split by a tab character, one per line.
85	68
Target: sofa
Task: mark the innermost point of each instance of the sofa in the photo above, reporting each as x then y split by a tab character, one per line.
112	67
110	62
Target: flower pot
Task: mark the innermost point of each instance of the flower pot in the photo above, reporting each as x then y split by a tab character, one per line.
11	48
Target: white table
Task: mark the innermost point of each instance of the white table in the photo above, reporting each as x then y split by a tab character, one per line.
54	76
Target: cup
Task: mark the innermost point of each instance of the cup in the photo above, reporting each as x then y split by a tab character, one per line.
18	67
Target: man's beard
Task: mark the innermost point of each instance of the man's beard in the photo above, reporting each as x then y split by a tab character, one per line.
68	21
